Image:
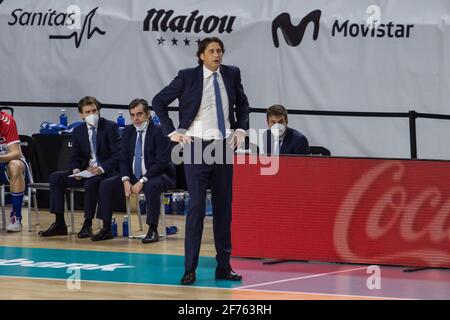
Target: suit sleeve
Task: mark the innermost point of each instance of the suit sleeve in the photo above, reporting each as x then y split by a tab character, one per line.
113	138
162	100
160	160
242	107
76	156
124	162
302	146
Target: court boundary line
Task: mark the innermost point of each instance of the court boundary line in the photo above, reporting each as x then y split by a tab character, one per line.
214	288
300	278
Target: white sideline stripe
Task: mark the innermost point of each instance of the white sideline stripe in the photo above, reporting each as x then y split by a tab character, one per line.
214	288
326	294
299	278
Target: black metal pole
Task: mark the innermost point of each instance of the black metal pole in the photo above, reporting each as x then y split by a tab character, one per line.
412	133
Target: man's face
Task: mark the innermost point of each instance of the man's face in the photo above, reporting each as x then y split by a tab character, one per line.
88	110
138	116
276	119
212	56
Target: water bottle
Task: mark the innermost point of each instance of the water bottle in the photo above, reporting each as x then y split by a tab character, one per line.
177	204
168	203
125	227
181	203
114	227
171	230
143	206
121	120
186	202
155	119
63	118
208	211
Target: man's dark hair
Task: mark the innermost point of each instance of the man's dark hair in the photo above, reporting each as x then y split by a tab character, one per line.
133	104
277	110
204	43
88	101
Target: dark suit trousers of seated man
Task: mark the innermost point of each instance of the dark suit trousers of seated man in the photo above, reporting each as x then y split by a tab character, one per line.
113	188
145	160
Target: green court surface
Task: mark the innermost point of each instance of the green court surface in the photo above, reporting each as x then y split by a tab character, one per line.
120	267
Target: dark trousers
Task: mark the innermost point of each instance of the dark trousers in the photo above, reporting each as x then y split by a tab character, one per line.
60	180
220	178
113	187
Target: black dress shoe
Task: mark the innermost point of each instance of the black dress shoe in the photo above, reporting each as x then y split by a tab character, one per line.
85	232
188	278
151	236
103	234
54	230
228	275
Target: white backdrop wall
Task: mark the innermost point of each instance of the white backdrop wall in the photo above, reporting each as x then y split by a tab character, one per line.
402	65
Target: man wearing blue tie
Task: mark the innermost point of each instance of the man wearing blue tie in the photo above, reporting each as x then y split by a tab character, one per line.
95	148
213	111
145	165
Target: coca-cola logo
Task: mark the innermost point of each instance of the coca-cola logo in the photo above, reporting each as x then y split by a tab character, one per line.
413	224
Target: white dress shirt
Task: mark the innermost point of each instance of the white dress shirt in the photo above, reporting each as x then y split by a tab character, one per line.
205	124
144	170
93	160
143	134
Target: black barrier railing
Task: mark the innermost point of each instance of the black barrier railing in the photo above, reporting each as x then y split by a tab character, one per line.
411	115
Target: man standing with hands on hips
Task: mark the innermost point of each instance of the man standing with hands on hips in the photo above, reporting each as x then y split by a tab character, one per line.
207	95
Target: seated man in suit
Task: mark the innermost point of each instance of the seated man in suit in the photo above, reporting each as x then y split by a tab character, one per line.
145	164
280	139
95	148
13	168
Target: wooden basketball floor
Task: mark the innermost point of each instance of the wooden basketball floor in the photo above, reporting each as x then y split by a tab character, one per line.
32	267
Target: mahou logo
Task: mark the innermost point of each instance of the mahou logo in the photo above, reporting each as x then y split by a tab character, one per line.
380	211
161	20
293	34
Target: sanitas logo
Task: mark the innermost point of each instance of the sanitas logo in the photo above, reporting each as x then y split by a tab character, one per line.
293	34
69	20
60	265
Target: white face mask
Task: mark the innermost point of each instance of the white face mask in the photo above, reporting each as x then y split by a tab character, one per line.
142	126
278	130
92	119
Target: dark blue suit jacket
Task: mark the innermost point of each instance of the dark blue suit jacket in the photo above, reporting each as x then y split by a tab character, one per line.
108	144
293	142
188	88
157	149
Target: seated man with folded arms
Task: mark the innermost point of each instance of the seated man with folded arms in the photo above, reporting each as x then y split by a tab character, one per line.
145	165
13	168
281	139
95	149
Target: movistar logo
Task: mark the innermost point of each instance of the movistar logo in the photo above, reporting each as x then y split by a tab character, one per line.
62	265
293	34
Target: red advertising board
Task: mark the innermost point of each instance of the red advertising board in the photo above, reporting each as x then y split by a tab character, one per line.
373	211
